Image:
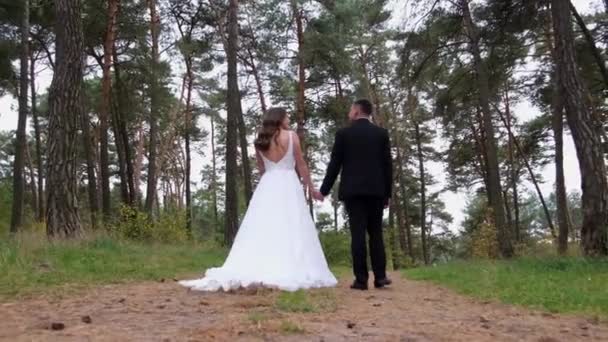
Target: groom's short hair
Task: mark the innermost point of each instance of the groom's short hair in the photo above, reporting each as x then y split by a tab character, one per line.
365	105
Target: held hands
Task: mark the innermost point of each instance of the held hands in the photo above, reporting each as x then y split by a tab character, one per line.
317	195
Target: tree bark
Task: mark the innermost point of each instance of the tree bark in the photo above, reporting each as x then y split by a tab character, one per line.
247	183
233	109
557	124
188	129
154	114
597	55
214	175
37	135
423	231
494	190
104	113
19	162
120	152
87	143
301	94
65	106
403	219
258	81
560	182
512	168
586	132
391	236
33	189
123	134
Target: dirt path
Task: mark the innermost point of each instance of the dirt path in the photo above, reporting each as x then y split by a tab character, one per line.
163	311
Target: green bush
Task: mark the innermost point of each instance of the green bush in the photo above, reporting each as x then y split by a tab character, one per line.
136	225
336	245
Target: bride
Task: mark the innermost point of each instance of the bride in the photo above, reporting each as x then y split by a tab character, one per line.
277	244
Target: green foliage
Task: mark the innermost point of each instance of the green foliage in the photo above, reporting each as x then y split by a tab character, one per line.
484	243
568	285
137	226
336	246
6	200
294	302
322	300
30	264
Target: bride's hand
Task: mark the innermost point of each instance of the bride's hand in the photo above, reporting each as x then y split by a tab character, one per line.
317	195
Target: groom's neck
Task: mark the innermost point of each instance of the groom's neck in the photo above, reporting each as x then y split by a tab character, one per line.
363	117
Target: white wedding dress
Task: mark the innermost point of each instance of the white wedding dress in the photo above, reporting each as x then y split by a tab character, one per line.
277	245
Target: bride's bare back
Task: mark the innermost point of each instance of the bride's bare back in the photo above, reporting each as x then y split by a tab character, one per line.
278	146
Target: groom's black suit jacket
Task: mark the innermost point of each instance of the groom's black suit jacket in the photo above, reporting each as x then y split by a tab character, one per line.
362	152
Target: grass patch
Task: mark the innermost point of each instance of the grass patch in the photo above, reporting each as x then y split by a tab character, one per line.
30	265
307	301
257	317
290	328
561	285
298	301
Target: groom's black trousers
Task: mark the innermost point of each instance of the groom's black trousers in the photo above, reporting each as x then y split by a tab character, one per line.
365	215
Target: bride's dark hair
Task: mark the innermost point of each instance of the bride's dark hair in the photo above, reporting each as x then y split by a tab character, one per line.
271	126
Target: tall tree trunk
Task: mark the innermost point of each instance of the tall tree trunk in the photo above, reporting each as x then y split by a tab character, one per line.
87	143
233	111
247	183
214	175
392	239
32	183
423	231
512	168
37	135
123	134
560	182
597	55
586	132
104	113
18	167
120	152
65	106
494	189
188	129
561	195
139	160
301	94
403	219
557	108
154	114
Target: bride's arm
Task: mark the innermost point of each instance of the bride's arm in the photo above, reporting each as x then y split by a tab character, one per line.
301	166
260	162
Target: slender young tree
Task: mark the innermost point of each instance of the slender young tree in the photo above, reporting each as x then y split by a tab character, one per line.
89	149
151	194
38	138
20	143
106	104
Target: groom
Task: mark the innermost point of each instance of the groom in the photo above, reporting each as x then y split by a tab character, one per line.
362	154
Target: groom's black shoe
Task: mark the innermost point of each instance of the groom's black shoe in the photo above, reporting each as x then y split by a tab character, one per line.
359	286
380	283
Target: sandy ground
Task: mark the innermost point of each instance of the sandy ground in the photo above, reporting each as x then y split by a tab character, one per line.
164	311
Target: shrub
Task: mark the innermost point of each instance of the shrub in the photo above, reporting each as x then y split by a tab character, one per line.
484	243
336	245
136	225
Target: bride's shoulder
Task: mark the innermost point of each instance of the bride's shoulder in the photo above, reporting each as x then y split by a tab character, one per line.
292	133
